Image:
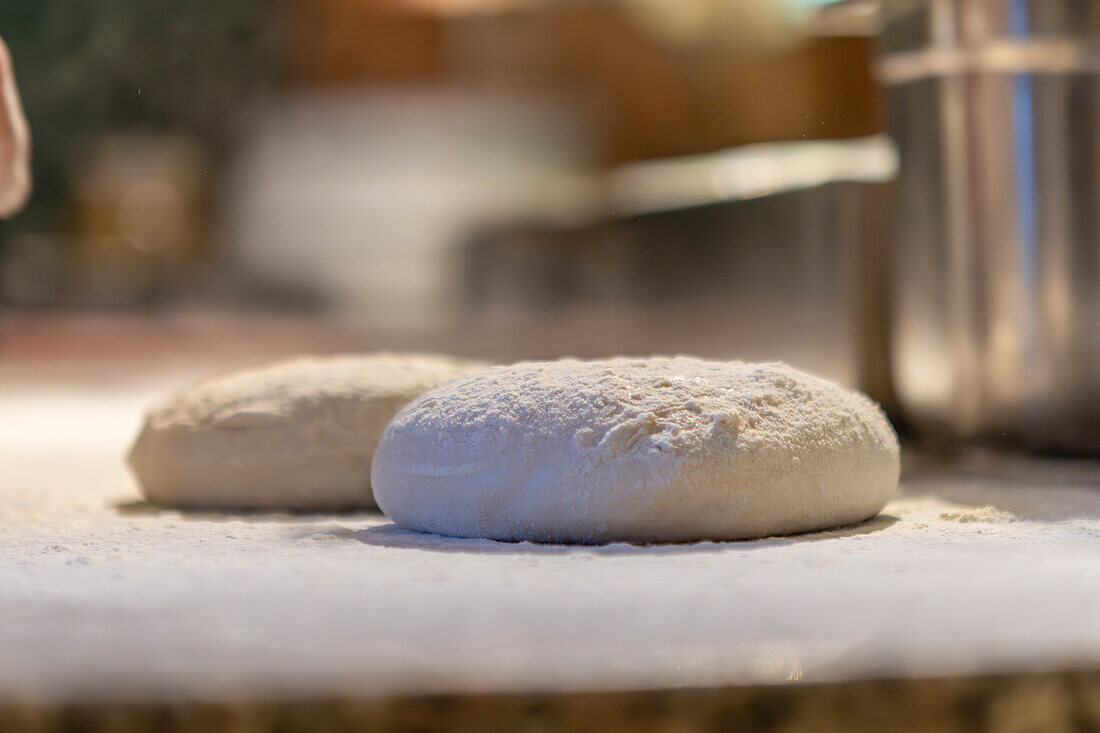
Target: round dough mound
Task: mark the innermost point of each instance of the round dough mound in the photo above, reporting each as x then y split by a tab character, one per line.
642	450
297	435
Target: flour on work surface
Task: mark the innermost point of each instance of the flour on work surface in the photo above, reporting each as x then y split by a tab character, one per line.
987	514
142	604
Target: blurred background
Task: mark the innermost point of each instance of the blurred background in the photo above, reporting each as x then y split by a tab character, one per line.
501	178
899	195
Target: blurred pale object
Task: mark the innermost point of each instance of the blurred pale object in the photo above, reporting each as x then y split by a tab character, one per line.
151	215
747	172
15	141
754	25
751	26
360	198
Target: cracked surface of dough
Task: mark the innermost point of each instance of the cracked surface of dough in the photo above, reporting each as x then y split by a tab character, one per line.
657	449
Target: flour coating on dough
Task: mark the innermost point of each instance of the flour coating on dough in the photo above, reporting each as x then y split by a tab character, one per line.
658	449
295	435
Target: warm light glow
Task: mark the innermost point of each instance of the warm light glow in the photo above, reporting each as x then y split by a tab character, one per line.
151	216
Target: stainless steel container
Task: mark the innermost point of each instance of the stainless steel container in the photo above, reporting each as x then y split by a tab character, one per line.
995	108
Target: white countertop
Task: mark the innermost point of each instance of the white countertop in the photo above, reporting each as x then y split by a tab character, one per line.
991	567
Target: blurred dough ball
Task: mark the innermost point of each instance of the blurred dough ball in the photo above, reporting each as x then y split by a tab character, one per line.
297	435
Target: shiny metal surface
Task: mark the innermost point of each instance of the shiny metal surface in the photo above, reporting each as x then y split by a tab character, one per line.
995	107
923	25
746	172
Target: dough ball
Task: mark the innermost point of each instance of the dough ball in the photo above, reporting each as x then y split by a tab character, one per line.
643	450
298	435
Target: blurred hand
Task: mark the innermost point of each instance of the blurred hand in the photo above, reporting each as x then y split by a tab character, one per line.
15	139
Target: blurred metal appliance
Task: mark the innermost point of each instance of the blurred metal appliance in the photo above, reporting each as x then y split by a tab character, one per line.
759	252
995	108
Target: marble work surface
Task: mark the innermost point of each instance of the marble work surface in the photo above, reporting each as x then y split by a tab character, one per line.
987	567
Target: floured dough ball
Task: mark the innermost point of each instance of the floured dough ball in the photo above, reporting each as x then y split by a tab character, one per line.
298	435
644	450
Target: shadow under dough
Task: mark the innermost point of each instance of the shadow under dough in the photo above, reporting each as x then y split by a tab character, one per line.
393	537
141	508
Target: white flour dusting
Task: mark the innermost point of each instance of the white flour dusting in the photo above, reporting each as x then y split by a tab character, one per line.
659	449
295	435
